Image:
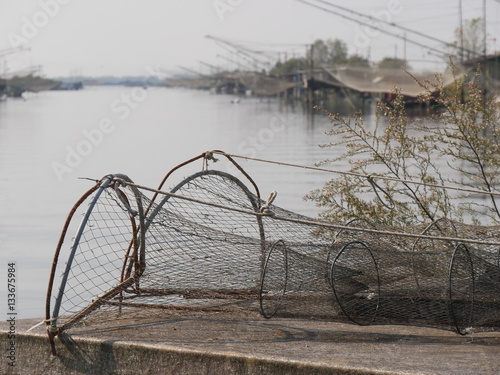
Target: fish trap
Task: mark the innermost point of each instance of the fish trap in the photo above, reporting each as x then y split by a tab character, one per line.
212	244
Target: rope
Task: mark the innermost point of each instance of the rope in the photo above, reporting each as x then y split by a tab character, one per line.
42	322
376	187
123	197
208	156
173	195
361	175
313	222
265	208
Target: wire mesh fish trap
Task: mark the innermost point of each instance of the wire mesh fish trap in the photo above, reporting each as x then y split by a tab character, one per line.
211	243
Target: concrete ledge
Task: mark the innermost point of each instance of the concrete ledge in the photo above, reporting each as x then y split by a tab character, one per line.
229	344
91	356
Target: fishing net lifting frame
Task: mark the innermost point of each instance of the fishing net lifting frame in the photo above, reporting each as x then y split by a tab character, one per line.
210	244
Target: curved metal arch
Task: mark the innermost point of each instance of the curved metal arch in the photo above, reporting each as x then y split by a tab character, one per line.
336	292
140	230
337	238
208	155
266	314
52	324
57	305
105	183
451	302
435	225
255	202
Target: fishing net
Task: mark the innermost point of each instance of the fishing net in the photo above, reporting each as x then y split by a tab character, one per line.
212	244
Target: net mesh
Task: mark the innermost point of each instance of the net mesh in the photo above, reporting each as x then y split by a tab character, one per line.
212	244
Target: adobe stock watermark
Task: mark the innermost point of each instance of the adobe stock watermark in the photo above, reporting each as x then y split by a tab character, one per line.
156	72
221	7
363	34
254	144
31	26
121	107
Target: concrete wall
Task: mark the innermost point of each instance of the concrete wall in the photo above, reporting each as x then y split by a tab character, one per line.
93	357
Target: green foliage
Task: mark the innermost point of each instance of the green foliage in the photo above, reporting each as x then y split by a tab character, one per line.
337	52
392	63
357	61
472	36
468	134
324	53
459	145
289	67
329	52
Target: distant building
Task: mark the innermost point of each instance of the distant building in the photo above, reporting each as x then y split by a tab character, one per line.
489	65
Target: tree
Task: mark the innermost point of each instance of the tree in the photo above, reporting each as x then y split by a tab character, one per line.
392	63
289	67
324	53
399	149
337	52
330	52
357	61
472	36
320	53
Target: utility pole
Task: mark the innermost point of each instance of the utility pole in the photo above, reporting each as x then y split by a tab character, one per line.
462	93
484	28
404	52
309	82
485	63
376	24
461	32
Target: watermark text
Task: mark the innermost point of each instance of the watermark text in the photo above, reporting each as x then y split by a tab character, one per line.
31	26
11	313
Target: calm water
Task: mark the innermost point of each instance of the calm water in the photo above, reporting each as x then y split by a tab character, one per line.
50	140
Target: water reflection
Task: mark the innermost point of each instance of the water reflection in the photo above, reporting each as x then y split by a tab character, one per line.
101	130
144	139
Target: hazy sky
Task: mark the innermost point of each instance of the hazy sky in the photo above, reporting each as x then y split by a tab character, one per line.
125	37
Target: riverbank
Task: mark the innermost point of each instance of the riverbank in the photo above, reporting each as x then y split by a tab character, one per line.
223	343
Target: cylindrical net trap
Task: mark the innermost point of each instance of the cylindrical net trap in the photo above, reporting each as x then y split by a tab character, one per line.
295	282
212	244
